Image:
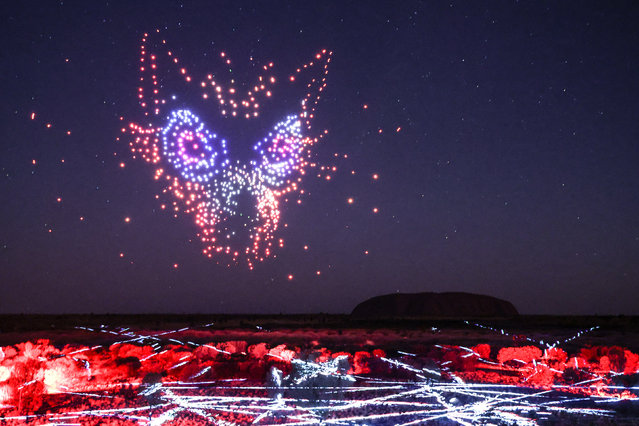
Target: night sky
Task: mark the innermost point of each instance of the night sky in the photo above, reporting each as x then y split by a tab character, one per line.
504	137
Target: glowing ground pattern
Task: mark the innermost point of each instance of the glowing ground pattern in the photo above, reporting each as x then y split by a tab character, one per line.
192	162
166	378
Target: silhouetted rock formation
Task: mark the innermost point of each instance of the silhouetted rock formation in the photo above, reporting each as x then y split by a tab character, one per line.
440	305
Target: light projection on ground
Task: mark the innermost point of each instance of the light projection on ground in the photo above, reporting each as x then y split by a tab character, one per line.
179	377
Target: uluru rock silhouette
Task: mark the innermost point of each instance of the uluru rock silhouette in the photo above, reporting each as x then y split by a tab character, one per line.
434	305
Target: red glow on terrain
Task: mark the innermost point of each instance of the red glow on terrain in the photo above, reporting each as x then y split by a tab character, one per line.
37	378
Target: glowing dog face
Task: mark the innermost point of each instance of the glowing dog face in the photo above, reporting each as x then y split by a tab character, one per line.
193	161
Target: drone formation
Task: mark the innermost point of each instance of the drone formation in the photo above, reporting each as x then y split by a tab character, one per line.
192	162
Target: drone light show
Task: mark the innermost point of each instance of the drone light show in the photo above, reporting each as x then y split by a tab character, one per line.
193	164
319	213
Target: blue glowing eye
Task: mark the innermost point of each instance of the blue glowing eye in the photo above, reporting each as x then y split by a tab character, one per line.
195	152
282	150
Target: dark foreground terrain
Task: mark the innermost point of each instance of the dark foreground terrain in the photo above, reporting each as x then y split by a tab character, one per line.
317	369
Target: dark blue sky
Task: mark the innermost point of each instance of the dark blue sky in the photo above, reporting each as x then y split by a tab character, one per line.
513	174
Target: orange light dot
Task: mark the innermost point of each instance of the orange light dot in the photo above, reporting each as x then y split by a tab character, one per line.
33	115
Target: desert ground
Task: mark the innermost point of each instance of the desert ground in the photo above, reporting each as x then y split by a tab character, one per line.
317	369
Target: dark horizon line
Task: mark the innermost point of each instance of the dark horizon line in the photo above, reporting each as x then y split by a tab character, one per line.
277	314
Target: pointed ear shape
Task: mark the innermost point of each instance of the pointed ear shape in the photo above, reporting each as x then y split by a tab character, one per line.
313	76
160	70
196	153
282	152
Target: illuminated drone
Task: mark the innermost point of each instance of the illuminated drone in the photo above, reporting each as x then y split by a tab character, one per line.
193	162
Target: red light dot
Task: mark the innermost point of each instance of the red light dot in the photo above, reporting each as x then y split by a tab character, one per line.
365	106
290	277
318	272
350	201
121	254
175	265
127	219
122	165
375	176
59	200
305	247
375	210
33	115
